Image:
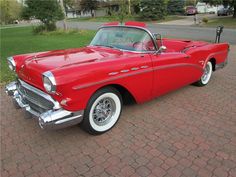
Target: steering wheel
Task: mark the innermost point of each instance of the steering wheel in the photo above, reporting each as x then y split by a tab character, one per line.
139	45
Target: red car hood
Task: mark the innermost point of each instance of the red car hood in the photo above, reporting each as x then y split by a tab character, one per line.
35	65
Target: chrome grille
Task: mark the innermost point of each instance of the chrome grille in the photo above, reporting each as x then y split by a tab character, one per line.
35	101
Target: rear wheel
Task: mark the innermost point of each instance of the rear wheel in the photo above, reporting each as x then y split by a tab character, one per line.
204	80
103	111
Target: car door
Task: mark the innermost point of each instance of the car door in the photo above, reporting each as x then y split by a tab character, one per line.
173	70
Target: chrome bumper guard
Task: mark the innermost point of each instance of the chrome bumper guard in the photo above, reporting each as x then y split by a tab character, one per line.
55	118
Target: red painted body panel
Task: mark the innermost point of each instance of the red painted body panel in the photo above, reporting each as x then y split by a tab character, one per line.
79	73
137	24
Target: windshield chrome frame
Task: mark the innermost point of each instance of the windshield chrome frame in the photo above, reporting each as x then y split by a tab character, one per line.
135	27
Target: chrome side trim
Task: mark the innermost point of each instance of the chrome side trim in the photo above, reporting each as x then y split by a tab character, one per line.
113	78
113	73
141	71
177	65
40	93
143	67
134	69
124	71
128	70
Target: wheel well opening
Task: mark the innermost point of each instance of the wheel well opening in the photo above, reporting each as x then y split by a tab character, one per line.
213	62
127	97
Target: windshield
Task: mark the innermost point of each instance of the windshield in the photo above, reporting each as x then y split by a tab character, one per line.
124	38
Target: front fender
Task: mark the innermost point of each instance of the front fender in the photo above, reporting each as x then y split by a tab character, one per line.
78	84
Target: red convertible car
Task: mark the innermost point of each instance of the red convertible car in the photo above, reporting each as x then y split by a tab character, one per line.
89	85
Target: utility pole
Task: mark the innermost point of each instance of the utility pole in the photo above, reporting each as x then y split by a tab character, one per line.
64	12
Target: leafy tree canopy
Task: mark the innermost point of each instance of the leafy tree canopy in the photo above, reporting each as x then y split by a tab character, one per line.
10	11
153	9
231	3
213	2
89	5
48	11
175	7
189	2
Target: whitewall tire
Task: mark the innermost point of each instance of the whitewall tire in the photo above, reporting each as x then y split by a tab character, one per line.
206	76
103	111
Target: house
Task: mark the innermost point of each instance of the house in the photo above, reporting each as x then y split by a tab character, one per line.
202	7
104	8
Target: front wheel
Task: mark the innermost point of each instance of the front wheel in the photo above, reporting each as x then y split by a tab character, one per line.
205	78
103	111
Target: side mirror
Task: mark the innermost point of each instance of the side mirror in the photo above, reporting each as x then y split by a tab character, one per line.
155	35
161	49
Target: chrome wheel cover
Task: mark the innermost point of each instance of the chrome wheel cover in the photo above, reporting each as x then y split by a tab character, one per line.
103	111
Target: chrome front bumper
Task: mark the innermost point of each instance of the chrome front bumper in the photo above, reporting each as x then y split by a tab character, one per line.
53	118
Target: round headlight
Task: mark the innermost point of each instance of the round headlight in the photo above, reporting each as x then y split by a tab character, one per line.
49	82
11	63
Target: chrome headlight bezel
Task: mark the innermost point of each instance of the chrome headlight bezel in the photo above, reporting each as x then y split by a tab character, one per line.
49	82
11	63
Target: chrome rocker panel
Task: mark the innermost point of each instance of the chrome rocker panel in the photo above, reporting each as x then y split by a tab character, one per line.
55	118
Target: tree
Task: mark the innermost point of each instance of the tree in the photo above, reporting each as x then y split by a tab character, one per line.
213	2
231	3
10	11
123	10
89	5
190	2
63	7
175	7
135	5
153	9
47	11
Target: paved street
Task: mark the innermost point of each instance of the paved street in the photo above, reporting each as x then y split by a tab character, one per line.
175	31
189	132
189	20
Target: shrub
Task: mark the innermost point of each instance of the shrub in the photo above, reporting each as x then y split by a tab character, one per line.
205	20
44	27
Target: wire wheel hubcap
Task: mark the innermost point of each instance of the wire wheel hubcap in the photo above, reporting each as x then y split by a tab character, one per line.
103	111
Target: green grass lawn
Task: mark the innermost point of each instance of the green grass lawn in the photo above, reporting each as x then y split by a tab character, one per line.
116	18
21	40
228	22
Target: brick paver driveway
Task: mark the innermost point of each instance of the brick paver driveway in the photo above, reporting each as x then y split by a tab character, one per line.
189	132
